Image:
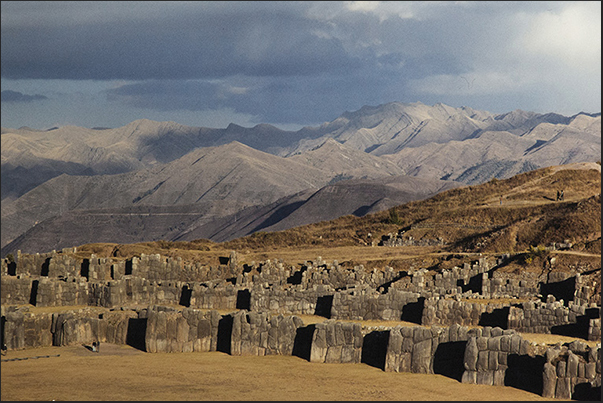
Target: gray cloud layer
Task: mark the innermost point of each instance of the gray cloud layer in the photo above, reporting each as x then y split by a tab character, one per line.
306	62
15	96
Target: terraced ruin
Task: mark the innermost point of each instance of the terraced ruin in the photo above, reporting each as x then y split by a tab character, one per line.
400	293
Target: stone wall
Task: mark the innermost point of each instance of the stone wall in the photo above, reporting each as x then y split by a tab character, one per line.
190	330
292	299
257	333
364	303
214	295
486	356
22	329
15	290
542	317
572	372
337	342
426	350
86	326
447	311
66	292
594	328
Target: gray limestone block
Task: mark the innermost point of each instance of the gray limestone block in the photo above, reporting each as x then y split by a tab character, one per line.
407	332
392	361
581	369
486	331
496	331
339	335
405	362
561	369
578	346
171	327
469	377
333	355
482	343
348	333
571	370
485	378
347	354
471	355
590	370
494	343
493	360
318	354
482	360
498	378
407	344
563	388
549	380
421	357
395	341
505	343
204	328
182	330
272	338
421	334
358	337
516	343
330	334
463	333
320	337
215	318
502	357
594	354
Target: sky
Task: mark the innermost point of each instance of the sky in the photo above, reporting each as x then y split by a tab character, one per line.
289	63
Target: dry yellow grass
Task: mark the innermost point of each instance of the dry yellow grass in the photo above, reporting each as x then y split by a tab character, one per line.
122	373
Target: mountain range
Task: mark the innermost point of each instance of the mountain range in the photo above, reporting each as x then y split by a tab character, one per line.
162	180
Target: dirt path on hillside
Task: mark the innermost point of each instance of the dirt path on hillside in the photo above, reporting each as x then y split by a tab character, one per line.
122	373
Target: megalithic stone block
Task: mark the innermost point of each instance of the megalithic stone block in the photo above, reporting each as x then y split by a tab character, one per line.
549	380
471	354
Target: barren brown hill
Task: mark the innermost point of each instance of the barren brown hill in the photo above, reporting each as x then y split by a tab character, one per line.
469	220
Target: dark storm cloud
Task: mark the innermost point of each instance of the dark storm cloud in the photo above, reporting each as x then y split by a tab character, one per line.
16	96
306	62
199	44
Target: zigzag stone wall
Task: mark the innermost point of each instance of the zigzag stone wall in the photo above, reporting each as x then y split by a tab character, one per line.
486	355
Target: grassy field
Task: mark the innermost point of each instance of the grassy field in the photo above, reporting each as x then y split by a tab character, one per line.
123	373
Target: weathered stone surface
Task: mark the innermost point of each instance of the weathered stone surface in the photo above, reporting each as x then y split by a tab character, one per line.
563	389
421	357
549	380
471	355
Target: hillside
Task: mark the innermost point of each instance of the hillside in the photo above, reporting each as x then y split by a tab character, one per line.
216	221
234	175
469	220
472	218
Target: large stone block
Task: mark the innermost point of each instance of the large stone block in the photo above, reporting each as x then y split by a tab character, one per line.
563	389
421	357
549	380
471	355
